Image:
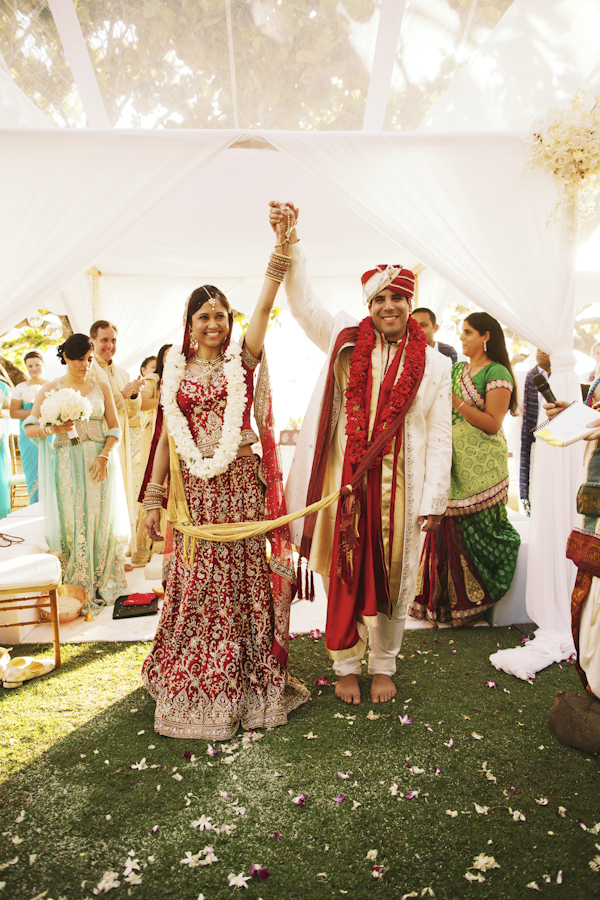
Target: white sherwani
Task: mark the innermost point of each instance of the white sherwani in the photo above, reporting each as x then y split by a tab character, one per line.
130	424
423	476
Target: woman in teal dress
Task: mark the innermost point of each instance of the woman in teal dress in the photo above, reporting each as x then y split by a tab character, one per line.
5	469
20	405
469	562
81	485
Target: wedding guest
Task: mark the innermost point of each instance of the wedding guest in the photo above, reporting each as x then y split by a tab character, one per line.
5	466
469	563
82	488
427	320
148	367
219	659
151	428
128	402
380	383
533	403
20	408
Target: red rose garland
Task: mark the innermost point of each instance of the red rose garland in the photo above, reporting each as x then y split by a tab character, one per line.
357	415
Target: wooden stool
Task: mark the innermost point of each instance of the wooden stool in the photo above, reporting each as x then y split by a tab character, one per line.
33	574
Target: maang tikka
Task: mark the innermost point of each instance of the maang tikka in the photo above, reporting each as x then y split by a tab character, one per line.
211	299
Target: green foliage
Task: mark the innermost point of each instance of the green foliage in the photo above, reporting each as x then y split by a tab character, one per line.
299	64
28	339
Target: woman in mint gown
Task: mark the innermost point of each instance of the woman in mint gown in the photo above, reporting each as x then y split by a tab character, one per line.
469	562
20	405
81	485
5	468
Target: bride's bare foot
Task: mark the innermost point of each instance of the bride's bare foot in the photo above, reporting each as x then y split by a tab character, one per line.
347	689
382	688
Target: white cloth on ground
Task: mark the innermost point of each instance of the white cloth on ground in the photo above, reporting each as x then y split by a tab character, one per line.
548	647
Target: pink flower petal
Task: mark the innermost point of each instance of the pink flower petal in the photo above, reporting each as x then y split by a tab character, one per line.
410	795
293	635
340	798
425	642
300	800
437	770
154	829
491	684
276	835
453	652
187	754
322	681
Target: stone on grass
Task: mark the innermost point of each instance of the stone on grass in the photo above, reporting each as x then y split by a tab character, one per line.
575	720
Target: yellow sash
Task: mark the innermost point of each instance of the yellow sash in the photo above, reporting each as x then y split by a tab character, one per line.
178	515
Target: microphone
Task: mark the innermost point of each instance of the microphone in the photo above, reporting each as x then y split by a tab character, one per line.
544	388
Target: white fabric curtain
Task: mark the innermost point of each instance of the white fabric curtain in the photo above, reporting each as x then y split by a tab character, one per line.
73	193
436	293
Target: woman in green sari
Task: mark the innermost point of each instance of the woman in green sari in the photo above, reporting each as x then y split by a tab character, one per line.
469	562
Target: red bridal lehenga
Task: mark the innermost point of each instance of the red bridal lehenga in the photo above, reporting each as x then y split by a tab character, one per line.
212	665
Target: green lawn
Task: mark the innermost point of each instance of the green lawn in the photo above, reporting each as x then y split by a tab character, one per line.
68	742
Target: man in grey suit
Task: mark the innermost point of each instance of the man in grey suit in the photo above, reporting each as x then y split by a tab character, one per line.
426	319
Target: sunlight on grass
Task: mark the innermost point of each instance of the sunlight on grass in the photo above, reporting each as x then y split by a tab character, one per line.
342	799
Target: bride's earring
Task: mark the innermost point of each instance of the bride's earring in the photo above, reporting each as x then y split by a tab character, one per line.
193	342
485	346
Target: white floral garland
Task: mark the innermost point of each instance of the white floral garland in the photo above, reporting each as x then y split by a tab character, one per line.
179	429
566	145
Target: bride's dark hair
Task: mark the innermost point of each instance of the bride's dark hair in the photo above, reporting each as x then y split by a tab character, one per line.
75	347
201	296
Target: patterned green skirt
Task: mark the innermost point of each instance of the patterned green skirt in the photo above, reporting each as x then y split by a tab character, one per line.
466	565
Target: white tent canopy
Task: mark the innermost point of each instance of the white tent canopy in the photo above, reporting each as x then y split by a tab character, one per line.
159	211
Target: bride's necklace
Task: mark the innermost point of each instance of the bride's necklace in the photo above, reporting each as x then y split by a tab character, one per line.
204	363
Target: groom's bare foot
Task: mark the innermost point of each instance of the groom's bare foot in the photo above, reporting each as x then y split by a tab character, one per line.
382	688
347	689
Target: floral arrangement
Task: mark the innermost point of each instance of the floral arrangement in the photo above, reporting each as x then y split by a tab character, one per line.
64	406
177	423
566	144
356	407
30	392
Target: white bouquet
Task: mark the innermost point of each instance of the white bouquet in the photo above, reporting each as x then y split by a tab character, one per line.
30	392
64	406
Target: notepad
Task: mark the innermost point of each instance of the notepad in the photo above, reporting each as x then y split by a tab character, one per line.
568	426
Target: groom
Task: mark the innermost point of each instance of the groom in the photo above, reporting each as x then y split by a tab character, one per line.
380	420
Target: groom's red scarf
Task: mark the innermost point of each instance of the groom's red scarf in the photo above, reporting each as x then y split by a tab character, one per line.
358	575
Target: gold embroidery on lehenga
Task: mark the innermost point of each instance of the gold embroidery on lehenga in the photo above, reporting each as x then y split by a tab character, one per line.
475	592
211	667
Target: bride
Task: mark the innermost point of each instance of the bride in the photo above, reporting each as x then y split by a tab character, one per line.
219	658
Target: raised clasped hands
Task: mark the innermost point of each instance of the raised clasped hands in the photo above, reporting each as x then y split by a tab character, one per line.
279	220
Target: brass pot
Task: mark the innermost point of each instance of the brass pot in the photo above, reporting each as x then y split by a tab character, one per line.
65	590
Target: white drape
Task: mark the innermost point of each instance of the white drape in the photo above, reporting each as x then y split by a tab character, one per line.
73	193
436	293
